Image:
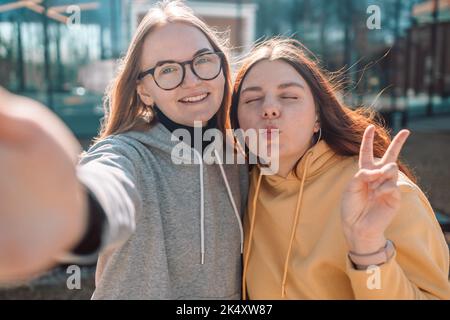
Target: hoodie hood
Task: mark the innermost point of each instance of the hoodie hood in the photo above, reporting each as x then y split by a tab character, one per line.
316	160
158	137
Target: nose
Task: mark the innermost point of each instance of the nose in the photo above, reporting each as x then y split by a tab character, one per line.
270	110
190	79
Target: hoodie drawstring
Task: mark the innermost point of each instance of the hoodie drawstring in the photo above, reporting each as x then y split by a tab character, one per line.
294	227
233	203
249	246
202	205
202	209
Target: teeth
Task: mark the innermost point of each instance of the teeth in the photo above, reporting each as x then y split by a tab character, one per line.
195	98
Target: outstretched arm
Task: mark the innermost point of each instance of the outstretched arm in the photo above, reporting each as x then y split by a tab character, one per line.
42	203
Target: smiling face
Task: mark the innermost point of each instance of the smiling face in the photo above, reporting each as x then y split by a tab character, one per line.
194	99
275	96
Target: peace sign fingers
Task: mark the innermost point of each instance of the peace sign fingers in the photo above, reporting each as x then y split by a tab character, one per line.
366	149
366	157
395	147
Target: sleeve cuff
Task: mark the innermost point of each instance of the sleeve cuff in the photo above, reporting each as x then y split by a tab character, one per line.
374	282
87	250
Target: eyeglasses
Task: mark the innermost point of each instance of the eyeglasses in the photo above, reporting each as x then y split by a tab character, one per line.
170	74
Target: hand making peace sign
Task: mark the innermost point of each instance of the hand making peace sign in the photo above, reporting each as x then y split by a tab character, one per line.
372	197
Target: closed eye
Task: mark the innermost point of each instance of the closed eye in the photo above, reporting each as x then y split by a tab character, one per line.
252	100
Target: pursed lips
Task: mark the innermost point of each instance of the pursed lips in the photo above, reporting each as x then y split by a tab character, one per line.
271	130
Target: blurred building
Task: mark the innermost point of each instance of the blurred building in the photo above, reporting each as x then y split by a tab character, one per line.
238	18
394	68
67	57
428	47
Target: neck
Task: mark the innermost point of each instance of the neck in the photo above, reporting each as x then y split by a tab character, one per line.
287	164
172	126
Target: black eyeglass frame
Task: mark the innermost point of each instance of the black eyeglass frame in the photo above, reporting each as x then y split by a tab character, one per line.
182	64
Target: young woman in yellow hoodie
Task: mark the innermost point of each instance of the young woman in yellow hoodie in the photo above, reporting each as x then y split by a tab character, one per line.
342	218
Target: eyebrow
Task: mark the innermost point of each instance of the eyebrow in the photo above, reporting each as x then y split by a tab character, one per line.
291	84
195	54
281	86
251	89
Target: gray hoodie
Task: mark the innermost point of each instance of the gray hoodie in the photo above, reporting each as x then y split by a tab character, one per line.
172	231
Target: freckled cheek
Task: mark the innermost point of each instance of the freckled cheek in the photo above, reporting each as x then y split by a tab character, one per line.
165	100
297	125
242	118
302	117
247	118
218	85
161	97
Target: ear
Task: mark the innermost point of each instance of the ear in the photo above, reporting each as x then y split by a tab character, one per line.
144	95
317	124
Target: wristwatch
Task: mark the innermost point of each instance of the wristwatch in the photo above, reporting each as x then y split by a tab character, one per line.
363	261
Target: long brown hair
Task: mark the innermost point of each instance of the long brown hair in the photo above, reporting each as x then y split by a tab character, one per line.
123	108
342	127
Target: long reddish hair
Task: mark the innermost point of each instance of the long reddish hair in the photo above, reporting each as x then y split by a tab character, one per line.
342	127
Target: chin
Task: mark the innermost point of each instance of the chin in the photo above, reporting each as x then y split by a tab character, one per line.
204	115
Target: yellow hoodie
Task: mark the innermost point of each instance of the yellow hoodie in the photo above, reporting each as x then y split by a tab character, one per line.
295	247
